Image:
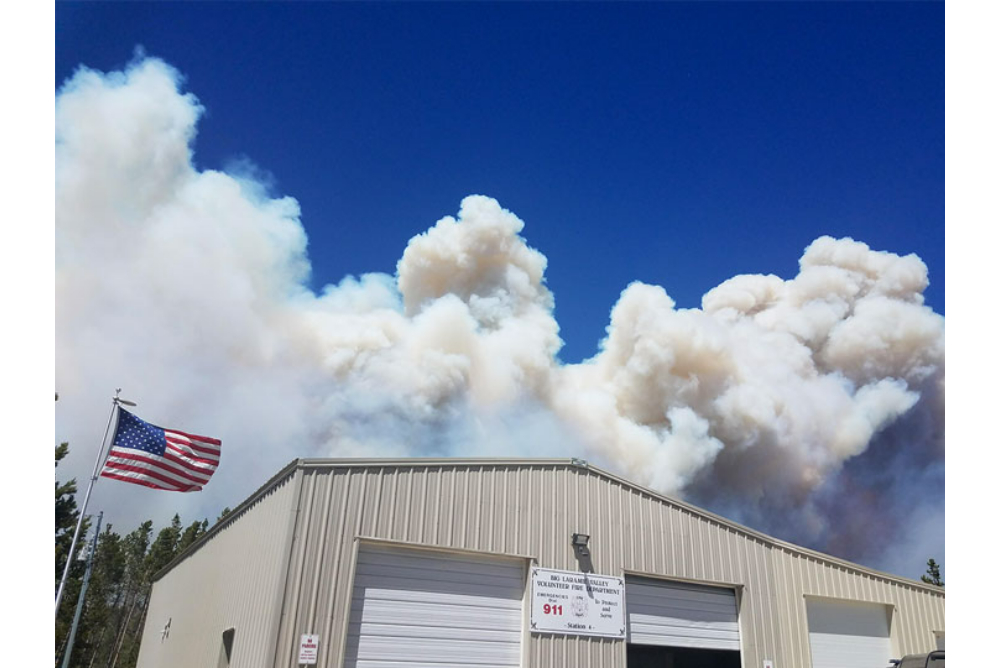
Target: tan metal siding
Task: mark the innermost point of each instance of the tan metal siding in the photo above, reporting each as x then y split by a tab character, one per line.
531	510
234	579
324	553
916	609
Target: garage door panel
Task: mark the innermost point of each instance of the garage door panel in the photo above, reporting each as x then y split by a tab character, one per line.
848	634
439	573
675	637
687	642
394	664
858	647
680	591
692	611
394	556
466	594
459	616
422	631
679	604
726	607
848	618
709	636
436	586
654	624
429	582
435	564
678	614
409	651
416	608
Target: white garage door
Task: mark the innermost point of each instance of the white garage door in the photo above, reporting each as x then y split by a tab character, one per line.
419	608
681	615
848	634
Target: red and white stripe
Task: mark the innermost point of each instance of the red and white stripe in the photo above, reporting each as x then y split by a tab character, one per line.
186	465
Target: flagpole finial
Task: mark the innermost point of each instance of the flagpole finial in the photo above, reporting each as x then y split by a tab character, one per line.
122	402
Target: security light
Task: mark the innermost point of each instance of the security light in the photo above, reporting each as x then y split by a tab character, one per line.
579	543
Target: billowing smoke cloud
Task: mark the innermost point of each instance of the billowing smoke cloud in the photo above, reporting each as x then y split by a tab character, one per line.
812	408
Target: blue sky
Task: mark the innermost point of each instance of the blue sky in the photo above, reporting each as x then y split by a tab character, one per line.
678	144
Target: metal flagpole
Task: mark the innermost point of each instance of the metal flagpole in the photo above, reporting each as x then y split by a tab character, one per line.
115	403
83	594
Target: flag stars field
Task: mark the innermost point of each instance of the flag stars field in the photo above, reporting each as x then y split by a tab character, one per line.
145	454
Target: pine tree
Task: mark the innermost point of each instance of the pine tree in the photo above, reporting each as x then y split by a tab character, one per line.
66	517
192	533
135	546
933	575
93	644
163	548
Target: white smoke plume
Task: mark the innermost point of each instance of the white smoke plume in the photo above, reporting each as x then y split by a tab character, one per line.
803	407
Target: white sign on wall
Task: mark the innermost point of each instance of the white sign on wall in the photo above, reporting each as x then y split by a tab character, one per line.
308	648
577	603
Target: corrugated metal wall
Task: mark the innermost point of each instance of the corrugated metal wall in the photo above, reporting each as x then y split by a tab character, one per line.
235	578
917	611
531	509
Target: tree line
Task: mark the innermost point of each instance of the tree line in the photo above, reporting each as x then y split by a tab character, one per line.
117	596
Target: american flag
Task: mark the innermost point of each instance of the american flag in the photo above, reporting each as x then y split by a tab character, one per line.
145	454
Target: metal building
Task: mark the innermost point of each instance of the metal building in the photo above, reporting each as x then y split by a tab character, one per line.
541	563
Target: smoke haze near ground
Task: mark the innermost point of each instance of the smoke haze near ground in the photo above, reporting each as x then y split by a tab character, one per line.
810	408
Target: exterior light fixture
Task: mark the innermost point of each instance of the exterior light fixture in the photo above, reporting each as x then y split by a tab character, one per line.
579	543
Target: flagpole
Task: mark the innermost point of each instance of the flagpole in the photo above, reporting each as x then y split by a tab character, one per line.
115	404
83	594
